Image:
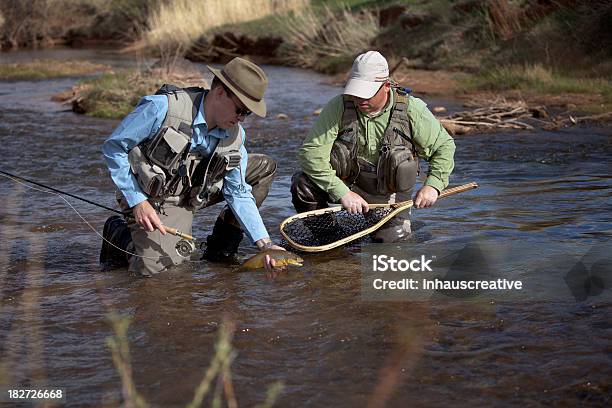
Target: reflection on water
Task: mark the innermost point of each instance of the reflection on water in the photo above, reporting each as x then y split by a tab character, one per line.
309	328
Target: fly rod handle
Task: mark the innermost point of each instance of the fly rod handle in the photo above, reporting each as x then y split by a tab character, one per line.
178	233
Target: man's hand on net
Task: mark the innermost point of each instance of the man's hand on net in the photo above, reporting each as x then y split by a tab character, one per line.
354	203
426	197
145	215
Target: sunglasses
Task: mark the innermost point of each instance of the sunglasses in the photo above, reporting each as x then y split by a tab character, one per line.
240	111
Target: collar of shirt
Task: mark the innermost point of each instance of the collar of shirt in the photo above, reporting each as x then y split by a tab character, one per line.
202	139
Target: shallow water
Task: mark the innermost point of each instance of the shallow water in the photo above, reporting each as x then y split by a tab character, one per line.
309	328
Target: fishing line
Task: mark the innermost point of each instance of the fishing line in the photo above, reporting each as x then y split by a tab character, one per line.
3	174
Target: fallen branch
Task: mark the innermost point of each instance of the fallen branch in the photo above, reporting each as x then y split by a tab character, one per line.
499	114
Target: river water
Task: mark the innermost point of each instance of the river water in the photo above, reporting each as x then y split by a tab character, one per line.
310	328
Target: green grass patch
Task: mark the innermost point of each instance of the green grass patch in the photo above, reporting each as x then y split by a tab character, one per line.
44	69
115	94
536	78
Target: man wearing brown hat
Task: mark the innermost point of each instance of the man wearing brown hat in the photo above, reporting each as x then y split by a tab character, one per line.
365	145
181	150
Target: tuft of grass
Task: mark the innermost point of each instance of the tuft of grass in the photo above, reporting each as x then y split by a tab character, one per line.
115	94
44	69
327	39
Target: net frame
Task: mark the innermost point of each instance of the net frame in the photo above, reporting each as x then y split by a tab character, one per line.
396	208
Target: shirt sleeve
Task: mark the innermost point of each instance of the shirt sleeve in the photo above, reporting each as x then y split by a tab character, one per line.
142	123
433	143
314	155
238	195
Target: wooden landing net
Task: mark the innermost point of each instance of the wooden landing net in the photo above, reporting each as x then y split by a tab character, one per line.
327	228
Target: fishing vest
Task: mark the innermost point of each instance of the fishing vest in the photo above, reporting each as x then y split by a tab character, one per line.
165	168
397	165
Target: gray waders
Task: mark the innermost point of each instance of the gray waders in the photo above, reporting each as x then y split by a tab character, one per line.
157	252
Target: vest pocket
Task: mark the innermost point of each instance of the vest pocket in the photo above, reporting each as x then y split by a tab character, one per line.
399	170
405	175
168	148
151	178
340	160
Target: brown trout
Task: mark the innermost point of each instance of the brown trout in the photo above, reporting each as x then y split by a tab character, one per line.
282	259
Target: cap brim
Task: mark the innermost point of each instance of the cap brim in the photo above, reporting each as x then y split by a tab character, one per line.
362	89
257	107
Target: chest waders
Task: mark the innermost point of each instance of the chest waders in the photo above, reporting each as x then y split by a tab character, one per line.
397	166
165	168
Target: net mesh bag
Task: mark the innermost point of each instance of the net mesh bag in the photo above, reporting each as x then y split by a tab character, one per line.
332	226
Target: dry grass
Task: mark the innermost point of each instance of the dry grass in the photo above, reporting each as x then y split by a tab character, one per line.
196	18
120	350
316	39
217	375
177	24
503	18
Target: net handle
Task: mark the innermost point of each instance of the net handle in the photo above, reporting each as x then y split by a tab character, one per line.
444	193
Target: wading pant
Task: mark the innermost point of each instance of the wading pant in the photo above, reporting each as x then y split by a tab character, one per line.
307	196
157	252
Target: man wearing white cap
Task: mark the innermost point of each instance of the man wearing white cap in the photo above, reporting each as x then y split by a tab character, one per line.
365	145
179	151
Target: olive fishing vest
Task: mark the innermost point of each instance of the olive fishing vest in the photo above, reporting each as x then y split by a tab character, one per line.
165	168
397	165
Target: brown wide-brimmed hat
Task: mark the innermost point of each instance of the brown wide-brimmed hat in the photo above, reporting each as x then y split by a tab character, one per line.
247	81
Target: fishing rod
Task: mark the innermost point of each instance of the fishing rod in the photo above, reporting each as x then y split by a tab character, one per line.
171	230
64	193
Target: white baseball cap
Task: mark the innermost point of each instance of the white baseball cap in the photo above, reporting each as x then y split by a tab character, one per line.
370	70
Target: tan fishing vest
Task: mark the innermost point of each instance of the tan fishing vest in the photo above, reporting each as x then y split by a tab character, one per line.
165	168
397	165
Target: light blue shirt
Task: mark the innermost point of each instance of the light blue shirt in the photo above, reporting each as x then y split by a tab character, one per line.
143	123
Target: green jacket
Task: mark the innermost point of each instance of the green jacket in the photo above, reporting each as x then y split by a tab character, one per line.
432	142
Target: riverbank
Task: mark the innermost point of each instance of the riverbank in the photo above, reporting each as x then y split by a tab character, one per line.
113	93
472	50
